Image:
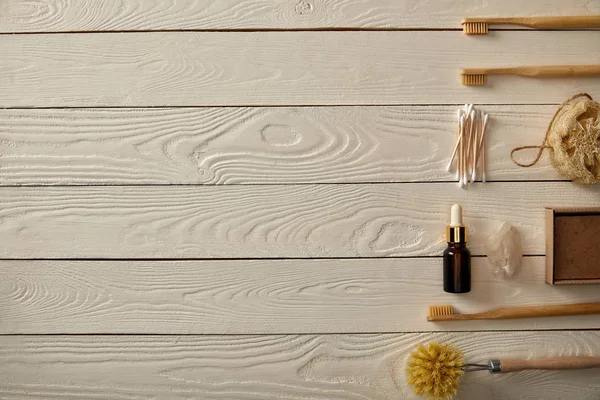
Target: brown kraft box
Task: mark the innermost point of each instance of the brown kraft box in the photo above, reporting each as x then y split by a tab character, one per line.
572	246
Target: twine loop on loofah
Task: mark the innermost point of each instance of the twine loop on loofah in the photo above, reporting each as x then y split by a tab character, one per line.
573	138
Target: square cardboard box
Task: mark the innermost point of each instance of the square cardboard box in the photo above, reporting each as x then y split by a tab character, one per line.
572	246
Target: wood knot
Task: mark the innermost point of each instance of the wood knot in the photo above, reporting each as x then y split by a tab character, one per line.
304	7
279	135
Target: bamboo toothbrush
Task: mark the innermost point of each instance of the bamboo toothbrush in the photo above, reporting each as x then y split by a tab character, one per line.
446	313
477	76
479	26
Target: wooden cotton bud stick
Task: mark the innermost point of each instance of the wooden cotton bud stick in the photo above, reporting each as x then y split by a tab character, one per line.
481	147
476	140
462	150
460	117
461	144
468	145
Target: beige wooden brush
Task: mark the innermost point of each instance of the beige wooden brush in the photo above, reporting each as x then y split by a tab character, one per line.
435	371
477	76
479	26
446	313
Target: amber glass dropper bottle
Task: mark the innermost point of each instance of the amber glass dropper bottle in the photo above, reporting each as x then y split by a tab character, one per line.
457	258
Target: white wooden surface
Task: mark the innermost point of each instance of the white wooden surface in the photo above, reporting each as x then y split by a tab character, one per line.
319	367
266	296
284	68
256	145
377	220
111	15
291	186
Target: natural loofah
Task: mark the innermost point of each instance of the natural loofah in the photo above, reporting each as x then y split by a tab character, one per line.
434	371
573	138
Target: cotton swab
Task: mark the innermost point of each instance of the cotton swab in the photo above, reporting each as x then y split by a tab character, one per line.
460	116
476	147
481	145
468	145
483	149
465	144
461	145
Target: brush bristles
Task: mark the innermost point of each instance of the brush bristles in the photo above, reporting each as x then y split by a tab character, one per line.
437	311
475	28
473	79
434	371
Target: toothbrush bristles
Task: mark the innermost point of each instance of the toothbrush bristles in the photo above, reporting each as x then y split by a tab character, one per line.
473	79
436	311
475	28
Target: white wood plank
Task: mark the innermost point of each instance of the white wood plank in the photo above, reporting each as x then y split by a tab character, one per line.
270	221
110	15
284	68
266	296
328	367
255	145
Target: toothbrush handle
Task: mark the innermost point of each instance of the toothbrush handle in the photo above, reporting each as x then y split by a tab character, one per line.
549	71
540	311
559	70
571	22
555	363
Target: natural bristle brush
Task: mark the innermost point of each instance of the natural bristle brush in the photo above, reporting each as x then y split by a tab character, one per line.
446	312
479	26
477	76
435	370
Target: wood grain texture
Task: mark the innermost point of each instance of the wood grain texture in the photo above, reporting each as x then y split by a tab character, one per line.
316	367
270	221
110	15
266	296
255	145
284	68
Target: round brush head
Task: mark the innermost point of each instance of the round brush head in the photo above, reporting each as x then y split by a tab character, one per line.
434	371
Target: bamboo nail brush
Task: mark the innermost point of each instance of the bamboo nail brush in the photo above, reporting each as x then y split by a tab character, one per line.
479	26
446	313
477	76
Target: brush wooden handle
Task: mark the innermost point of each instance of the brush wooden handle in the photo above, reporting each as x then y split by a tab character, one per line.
521	312
540	311
584	21
575	362
545	71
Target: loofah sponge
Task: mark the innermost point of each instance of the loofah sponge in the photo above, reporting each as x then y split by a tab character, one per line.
573	139
434	371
